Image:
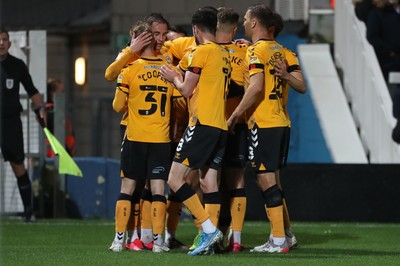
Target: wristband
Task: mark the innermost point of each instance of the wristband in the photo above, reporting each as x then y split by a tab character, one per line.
40	107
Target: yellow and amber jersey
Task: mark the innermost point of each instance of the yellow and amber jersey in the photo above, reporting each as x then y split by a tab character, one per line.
149	100
179	113
163	55
124	120
180	46
125	57
207	103
237	54
268	109
292	65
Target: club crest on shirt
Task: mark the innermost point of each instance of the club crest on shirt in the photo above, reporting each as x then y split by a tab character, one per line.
168	59
9	84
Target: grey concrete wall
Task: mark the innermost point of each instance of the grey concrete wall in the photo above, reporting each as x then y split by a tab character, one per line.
126	12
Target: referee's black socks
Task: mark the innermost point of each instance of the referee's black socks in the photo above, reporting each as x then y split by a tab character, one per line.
25	190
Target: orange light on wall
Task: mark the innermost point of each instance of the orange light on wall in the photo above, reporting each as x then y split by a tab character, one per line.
80	71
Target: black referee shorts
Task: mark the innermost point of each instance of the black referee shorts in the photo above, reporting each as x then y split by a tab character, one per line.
12	140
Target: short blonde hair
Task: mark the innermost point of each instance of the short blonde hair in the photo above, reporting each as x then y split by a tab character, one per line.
139	27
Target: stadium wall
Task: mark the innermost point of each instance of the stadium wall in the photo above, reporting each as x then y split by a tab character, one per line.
335	192
314	192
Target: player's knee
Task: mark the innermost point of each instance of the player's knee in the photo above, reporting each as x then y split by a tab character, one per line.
273	197
146	195
124	196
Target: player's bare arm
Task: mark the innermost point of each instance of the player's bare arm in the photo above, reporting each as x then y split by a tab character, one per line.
185	86
294	79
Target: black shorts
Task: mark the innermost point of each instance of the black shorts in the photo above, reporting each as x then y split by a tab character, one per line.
265	148
143	160
122	129
236	151
201	146
12	140
174	145
285	147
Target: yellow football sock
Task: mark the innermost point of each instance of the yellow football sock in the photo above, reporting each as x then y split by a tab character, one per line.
275	215
212	205
192	202
213	210
158	208
174	209
196	208
238	211
145	214
122	215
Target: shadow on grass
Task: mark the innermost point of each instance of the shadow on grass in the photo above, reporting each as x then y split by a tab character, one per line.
322	253
308	240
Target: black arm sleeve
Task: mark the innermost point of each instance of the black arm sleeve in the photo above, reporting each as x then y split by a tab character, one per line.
26	80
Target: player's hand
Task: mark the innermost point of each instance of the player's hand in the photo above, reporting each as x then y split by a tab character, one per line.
231	122
280	68
40	115
139	42
169	73
242	41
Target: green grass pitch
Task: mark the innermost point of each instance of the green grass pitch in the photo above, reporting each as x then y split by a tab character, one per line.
86	242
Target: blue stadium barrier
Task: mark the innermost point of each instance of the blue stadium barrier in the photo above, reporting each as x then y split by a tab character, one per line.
94	195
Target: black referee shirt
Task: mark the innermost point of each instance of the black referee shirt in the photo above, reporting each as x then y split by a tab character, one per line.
13	72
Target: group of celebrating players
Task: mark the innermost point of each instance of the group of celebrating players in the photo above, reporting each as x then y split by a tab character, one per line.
213	106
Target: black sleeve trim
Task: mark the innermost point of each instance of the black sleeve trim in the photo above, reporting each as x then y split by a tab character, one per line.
253	66
195	70
123	85
122	90
293	68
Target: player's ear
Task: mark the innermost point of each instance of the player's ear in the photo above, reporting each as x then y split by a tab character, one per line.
253	23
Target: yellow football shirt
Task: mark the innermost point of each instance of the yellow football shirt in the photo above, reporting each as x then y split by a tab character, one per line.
236	90
180	46
207	103
268	110
149	100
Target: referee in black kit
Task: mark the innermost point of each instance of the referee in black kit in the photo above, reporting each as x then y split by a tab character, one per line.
13	72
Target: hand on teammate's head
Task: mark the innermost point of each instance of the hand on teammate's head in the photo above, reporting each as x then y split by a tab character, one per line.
141	41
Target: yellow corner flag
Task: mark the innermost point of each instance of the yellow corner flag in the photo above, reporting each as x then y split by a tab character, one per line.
66	164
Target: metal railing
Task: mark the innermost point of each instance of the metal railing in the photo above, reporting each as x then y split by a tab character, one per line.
364	85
